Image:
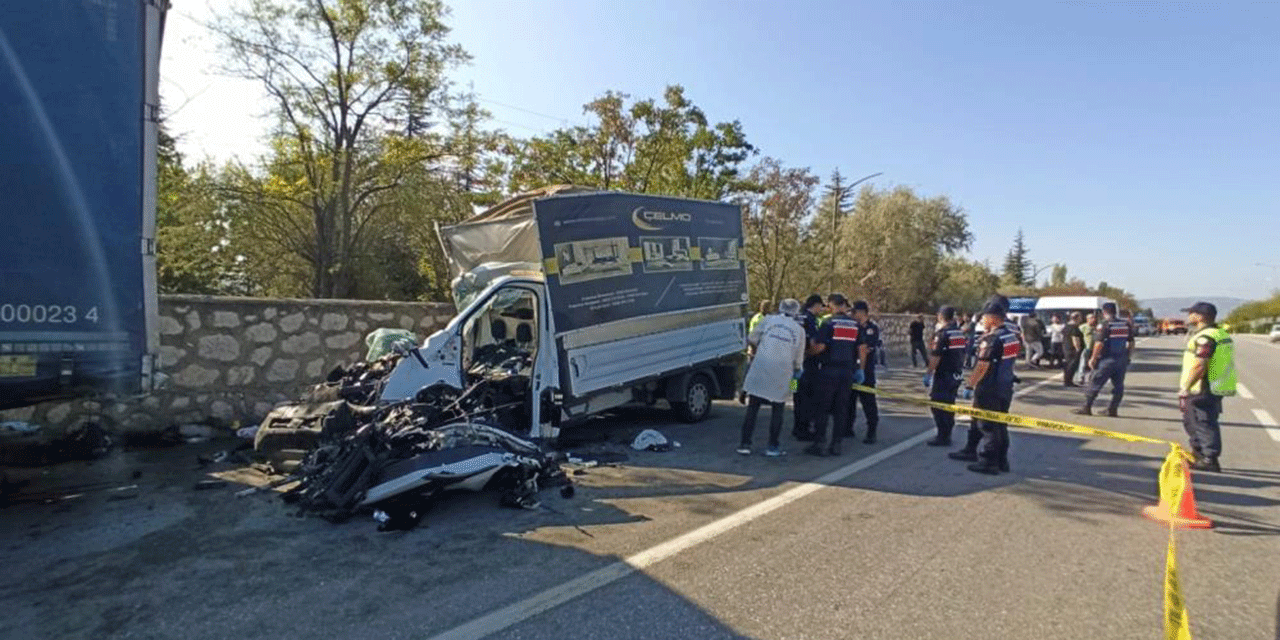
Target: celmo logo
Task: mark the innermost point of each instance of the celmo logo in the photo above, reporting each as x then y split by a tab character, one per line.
650	220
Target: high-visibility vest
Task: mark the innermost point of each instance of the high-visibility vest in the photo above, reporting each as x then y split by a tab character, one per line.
1220	375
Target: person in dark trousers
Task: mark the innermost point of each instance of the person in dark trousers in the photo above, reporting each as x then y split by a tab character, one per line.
780	345
1208	375
1112	344
802	400
870	332
841	354
991	384
1033	332
916	331
1072	348
970	329
946	369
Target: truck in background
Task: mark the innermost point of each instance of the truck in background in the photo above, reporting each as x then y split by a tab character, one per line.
78	115
588	301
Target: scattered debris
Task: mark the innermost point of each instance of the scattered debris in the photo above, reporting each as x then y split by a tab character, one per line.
190	431
209	484
247	433
385	341
651	440
18	427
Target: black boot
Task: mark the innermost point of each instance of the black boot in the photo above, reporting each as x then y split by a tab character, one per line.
966	455
939	442
1112	412
871	436
1083	411
1206	464
835	449
985	466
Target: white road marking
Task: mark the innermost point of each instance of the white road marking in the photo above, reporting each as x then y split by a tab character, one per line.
1267	421
1244	391
522	610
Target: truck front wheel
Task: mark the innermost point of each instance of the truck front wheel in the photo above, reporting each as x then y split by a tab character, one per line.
696	401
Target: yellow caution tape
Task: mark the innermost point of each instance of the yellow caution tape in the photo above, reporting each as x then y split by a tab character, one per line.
1177	622
1013	420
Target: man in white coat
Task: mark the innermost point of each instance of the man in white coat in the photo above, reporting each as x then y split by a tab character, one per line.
779	343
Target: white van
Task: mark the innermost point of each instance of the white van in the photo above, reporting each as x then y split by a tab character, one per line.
1063	305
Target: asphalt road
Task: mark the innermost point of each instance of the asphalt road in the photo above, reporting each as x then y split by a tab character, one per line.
891	541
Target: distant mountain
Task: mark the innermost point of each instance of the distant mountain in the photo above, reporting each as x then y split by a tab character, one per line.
1172	307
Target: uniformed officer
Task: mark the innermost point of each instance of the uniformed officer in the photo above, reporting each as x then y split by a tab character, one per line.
1009	324
870	333
802	400
946	369
992	386
1112	343
841	353
1208	375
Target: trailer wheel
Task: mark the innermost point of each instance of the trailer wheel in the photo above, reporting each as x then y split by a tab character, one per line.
696	405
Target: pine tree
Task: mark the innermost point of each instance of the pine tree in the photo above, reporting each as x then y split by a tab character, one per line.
1016	266
835	205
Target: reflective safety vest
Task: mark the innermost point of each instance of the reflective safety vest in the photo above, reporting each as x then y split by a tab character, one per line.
1220	375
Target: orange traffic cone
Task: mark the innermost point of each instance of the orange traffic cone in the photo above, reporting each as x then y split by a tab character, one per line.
1183	515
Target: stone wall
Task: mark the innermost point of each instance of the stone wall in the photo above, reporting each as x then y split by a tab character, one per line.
230	360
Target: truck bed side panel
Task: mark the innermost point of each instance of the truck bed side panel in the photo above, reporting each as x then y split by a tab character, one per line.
626	361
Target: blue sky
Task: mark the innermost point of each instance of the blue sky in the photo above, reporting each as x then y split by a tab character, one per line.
1136	142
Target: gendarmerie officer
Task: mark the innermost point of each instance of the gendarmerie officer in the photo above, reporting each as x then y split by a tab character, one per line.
1112	344
991	383
841	351
946	370
870	335
802	401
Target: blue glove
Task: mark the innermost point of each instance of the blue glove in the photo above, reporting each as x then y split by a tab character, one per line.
858	376
927	380
968	393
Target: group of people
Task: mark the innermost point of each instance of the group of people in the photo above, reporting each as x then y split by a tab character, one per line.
814	355
819	352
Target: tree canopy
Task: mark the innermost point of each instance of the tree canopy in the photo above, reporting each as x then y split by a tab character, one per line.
372	147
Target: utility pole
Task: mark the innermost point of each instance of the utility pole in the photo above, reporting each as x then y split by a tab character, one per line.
838	192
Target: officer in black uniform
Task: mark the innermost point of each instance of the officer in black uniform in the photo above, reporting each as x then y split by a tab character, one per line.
870	333
841	351
802	399
992	386
1112	344
946	369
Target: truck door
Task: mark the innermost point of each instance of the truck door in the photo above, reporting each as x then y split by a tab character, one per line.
501	347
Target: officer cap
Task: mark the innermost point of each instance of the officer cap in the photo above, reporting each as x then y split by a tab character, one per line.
812	300
947	313
1206	309
1109	307
861	305
993	309
999	301
838	299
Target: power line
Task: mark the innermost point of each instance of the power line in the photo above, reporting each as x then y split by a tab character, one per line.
522	109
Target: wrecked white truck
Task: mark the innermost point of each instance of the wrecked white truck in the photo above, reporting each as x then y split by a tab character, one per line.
590	301
572	303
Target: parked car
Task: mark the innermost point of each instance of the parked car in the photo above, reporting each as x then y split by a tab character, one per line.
1275	333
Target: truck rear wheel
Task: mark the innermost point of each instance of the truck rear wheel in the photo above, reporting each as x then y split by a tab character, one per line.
696	403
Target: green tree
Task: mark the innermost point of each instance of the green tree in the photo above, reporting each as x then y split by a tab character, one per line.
192	245
1017	266
894	244
836	202
1059	275
668	147
773	225
965	284
355	84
